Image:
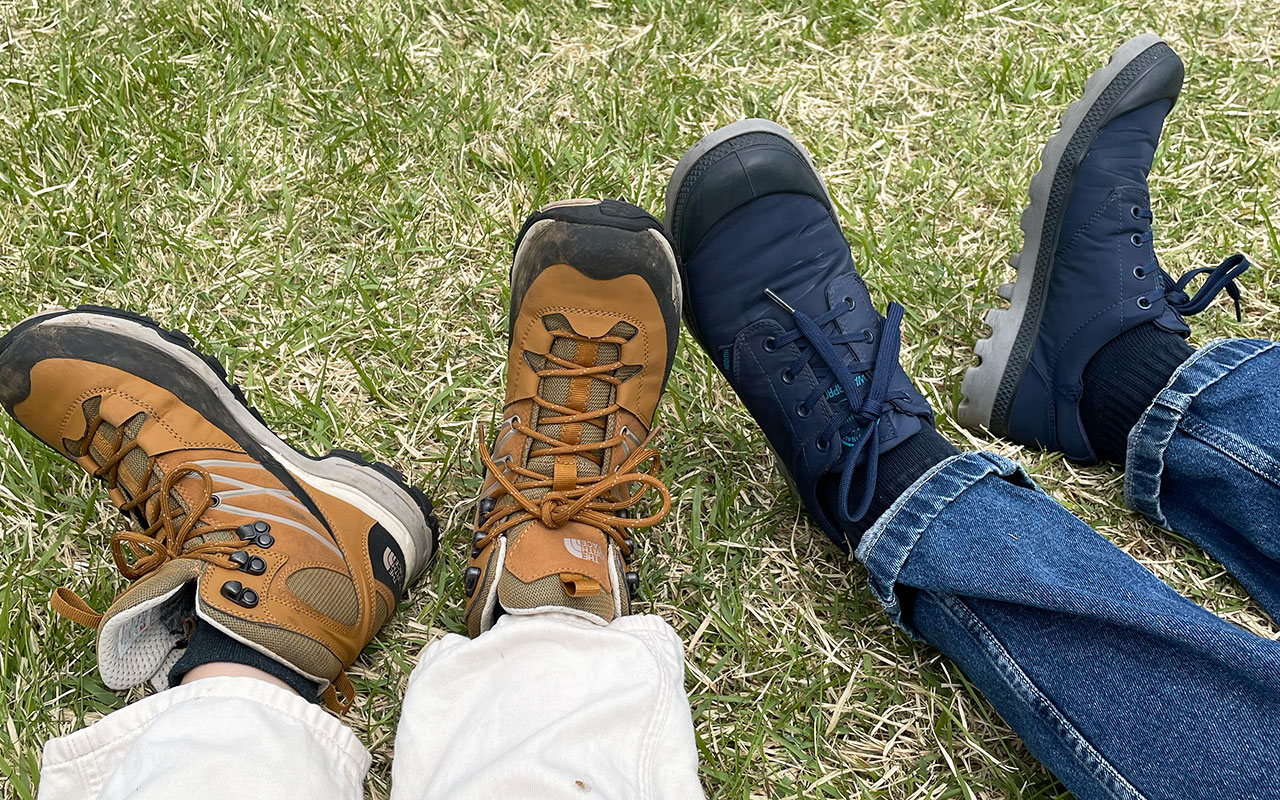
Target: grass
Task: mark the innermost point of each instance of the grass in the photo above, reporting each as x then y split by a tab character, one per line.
324	194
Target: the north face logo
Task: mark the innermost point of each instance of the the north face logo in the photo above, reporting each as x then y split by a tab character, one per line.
587	551
394	568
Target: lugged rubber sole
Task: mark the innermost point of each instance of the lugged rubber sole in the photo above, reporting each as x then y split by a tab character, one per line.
378	490
989	388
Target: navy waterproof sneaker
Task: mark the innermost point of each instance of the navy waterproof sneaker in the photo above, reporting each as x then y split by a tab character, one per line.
772	295
1088	273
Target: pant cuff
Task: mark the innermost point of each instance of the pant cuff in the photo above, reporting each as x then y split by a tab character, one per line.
887	545
85	751
1151	436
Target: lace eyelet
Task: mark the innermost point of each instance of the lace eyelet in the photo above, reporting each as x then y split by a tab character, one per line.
1135	211
788	376
1144	303
869	334
1136	239
849	302
770	344
471	580
1138	273
823	445
802	411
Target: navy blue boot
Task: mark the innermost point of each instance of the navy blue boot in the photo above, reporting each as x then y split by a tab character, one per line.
772	295
1088	274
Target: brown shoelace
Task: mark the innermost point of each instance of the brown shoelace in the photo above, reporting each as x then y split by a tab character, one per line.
588	500
139	553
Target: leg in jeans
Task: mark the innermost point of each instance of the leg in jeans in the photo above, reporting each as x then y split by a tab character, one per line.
1204	460
1121	686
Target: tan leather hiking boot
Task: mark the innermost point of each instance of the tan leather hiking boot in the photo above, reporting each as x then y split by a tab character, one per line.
302	559
595	299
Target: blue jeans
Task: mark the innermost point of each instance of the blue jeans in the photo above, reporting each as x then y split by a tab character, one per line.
1121	686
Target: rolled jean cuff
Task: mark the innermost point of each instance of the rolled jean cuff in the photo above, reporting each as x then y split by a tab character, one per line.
1150	437
885	548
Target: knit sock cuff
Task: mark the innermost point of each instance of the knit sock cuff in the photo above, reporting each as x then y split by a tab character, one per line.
209	645
904	464
898	468
1121	381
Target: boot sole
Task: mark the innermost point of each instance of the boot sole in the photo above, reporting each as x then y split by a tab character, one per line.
989	388
378	490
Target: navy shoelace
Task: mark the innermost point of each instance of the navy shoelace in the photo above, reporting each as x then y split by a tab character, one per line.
1220	278
859	430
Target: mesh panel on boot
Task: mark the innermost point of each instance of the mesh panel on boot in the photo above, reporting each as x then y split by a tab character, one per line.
295	650
90	410
329	592
557	390
132	475
549	591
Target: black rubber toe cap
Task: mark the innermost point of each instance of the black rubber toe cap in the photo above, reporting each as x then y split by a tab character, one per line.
733	174
1161	79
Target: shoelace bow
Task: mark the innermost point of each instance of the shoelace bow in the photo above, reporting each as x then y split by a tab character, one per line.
1220	278
859	431
590	500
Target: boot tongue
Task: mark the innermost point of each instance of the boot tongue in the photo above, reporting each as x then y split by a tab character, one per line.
557	568
554	568
581	394
139	633
133	475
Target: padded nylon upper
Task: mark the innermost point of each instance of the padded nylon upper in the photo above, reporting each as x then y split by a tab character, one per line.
1094	293
788	243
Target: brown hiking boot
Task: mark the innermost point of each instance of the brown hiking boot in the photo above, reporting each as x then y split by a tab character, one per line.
595	299
300	558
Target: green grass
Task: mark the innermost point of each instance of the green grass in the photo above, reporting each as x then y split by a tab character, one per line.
325	195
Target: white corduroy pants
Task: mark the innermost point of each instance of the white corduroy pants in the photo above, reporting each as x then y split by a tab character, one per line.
546	706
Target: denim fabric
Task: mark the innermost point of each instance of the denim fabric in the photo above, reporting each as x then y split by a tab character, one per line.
1121	686
1204	460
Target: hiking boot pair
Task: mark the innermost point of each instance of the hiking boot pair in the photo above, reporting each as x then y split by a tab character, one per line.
298	561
